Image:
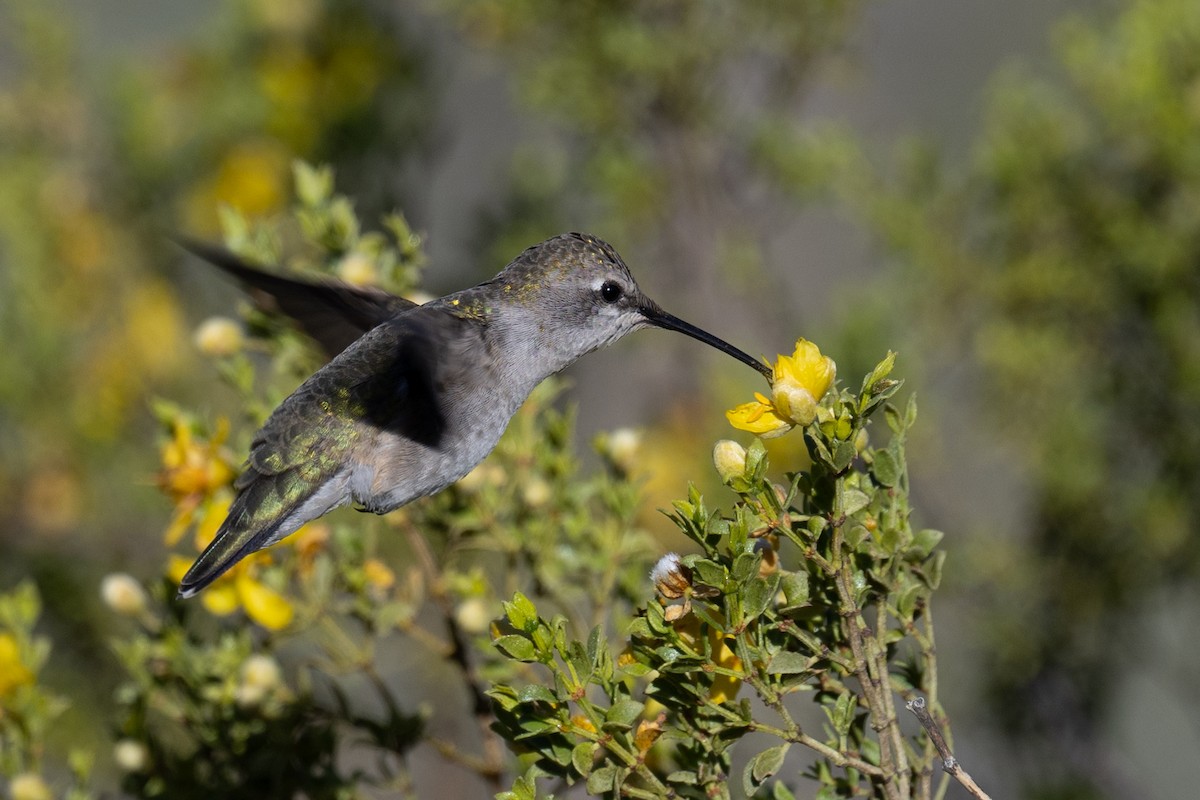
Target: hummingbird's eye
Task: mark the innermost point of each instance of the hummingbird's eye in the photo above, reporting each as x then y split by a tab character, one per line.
610	291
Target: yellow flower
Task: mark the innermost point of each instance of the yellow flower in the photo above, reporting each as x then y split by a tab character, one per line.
759	417
13	672
378	574
724	687
797	386
240	589
194	468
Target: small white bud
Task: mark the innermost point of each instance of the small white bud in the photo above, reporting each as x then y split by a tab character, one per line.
623	445
131	755
29	786
123	594
217	337
729	458
472	615
260	677
536	493
262	671
357	269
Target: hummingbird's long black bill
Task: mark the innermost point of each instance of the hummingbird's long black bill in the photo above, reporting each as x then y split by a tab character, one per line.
661	319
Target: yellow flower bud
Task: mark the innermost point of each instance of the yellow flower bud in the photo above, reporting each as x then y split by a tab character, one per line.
729	457
219	336
123	594
29	786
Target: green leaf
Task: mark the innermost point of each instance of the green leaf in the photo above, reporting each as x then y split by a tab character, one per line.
780	791
745	566
758	596
683	777
923	543
843	455
855	535
841	716
536	692
602	780
853	501
756	459
639	628
314	185
709	572
516	647
786	662
596	645
795	589
623	713
763	766
583	757
933	570
885	468
881	371
521	613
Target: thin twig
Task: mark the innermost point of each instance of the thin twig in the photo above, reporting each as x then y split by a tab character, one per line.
491	766
949	762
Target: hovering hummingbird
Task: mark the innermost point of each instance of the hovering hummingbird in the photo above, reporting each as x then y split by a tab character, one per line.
416	396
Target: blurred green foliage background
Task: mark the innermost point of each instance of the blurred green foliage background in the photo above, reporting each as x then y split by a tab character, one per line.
1036	258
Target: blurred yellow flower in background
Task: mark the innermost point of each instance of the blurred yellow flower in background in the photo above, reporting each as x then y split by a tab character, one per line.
240	589
194	472
797	386
724	687
13	670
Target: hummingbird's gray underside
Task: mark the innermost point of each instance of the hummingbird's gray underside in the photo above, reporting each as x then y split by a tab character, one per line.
416	396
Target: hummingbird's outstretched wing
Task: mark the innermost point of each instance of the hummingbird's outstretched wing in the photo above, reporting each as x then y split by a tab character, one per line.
314	447
333	313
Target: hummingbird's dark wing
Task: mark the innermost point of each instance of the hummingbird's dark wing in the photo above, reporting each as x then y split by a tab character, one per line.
317	446
333	313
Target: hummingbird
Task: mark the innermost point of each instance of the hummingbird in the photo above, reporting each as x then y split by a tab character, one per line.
415	396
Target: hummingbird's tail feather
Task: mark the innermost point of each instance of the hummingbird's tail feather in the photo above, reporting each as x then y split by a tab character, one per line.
258	518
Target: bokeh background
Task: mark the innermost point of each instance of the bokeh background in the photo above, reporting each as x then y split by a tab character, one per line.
1008	194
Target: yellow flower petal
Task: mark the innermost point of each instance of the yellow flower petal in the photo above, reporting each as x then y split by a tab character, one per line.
220	599
759	418
180	521
215	511
264	605
177	567
807	368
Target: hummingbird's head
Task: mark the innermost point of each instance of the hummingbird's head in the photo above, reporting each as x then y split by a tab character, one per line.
584	297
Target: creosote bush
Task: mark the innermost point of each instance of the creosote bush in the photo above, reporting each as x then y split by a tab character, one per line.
525	589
